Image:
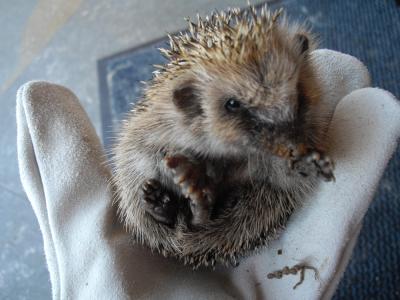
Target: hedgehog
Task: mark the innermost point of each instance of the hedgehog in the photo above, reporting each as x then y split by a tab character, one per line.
225	142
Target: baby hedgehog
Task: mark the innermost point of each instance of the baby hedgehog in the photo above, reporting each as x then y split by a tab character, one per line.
225	142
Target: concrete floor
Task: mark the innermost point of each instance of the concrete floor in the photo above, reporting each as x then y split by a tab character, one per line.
61	41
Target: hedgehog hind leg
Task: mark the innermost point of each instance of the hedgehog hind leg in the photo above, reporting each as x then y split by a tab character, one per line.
158	203
196	187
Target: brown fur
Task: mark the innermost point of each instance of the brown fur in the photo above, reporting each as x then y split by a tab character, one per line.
260	61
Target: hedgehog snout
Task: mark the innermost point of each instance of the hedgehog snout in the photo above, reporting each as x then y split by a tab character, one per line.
274	122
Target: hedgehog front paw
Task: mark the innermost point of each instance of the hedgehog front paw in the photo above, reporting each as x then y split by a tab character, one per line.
313	163
158	203
195	185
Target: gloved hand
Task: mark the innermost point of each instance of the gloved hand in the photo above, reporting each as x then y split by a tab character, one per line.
89	254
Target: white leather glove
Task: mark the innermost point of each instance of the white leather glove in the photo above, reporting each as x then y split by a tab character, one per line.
90	256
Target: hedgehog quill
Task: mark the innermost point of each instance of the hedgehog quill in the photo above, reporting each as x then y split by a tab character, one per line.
225	143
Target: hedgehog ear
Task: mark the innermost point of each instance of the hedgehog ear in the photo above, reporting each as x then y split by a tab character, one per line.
303	42
185	98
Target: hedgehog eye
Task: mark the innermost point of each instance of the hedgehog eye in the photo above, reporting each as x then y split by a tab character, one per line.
232	105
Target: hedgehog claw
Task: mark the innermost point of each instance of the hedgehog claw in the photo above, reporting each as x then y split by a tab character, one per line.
313	163
191	177
158	203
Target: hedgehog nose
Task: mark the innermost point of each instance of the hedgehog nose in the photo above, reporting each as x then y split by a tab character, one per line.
274	122
270	128
287	130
